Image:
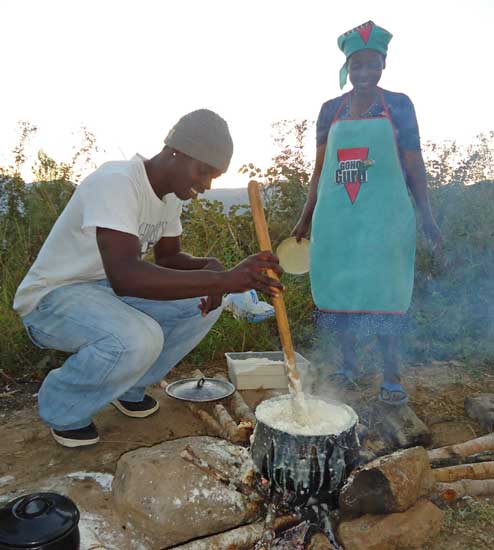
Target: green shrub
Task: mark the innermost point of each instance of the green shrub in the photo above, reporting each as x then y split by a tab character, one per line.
452	309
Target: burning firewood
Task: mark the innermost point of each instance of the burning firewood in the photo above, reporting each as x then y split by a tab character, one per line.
240	409
486	456
208	420
229	428
265	542
483	470
220	422
449	492
484	443
240	538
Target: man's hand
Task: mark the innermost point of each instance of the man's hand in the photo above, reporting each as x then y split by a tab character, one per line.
251	273
211	302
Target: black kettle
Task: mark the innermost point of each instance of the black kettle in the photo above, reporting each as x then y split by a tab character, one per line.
40	521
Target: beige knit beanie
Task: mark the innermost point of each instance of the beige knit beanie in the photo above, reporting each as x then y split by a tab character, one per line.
203	135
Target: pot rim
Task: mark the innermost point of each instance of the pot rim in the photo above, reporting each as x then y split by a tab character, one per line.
351	424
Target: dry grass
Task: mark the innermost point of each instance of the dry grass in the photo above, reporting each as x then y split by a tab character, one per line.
468	525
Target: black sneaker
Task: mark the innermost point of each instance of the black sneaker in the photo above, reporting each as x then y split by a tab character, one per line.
141	409
76	438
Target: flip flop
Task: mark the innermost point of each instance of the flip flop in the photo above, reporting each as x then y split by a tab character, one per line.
344	378
389	389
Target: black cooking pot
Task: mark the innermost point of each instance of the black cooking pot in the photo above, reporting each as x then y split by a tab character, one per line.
41	521
301	467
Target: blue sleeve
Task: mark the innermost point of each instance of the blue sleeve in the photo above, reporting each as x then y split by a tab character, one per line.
326	115
402	113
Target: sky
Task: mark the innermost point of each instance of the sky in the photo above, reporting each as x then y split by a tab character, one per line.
128	69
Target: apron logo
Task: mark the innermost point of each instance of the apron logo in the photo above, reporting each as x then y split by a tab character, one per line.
352	170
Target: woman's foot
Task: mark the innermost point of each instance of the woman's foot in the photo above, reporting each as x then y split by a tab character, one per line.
393	393
345	378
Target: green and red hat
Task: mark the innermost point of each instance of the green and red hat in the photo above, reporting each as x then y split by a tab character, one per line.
367	36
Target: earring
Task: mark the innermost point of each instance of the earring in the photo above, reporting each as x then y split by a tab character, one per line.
174	154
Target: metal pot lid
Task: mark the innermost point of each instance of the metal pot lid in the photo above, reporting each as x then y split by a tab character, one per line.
200	389
33	520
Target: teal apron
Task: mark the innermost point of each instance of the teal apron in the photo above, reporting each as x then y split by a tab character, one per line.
363	229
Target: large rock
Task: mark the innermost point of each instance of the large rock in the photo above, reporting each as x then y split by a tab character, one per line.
172	500
391	483
481	408
410	529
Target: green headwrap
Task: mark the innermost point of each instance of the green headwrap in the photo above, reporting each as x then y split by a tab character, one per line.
364	37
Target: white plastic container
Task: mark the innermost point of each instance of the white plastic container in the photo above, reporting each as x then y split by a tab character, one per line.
253	370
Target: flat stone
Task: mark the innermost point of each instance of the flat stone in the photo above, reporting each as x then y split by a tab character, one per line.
401	427
481	408
391	483
173	501
411	529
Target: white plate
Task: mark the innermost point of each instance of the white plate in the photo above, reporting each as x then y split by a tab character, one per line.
294	256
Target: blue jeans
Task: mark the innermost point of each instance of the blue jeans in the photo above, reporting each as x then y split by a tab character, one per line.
119	344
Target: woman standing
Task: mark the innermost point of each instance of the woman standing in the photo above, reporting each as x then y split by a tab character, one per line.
363	222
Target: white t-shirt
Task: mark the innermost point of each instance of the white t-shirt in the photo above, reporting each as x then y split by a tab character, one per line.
117	196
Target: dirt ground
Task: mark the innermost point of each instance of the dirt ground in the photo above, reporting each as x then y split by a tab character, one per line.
31	461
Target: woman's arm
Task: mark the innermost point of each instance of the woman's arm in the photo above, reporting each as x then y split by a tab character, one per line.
405	121
417	183
301	230
324	119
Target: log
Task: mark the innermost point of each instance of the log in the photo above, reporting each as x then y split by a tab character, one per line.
282	523
208	420
388	484
483	470
229	428
449	492
486	456
241	538
268	536
478	445
481	408
240	409
401	427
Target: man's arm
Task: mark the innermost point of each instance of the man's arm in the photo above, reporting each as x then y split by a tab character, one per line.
131	276
168	253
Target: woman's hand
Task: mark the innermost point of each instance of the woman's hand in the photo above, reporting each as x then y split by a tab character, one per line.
433	233
435	238
301	230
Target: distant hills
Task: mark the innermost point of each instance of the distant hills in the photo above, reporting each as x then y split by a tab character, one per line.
229	197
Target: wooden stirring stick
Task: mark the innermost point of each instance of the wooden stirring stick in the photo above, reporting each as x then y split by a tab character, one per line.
293	375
